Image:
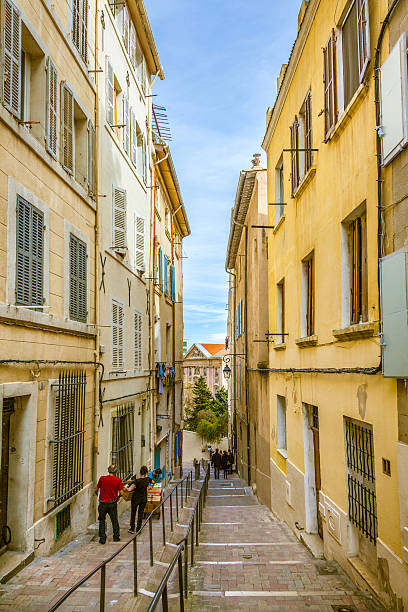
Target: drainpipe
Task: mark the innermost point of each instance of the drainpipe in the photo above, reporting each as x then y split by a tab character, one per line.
379	160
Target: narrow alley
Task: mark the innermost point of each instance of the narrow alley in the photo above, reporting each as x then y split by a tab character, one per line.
247	560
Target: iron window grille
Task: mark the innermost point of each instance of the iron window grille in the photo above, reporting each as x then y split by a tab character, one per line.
123	439
62	521
362	503
69	436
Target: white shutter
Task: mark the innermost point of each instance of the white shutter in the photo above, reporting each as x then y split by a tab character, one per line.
12	59
117	335
138	337
126	28
80	27
110	95
91	158
133	137
126	129
67	115
139	243
394	101
52	100
133	44
119	218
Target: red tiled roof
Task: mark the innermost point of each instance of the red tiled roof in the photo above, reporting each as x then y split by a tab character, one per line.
216	350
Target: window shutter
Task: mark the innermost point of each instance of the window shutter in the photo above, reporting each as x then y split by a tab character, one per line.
133	43
161	269
394	101
143	75
126	28
133	137
363	36
78	279
166	276
294	145
29	254
117	335
138	327
308	132
52	95
80	27
12	59
67	129
110	102
119	218
139	243
126	130
156	264
173	283
329	77
91	158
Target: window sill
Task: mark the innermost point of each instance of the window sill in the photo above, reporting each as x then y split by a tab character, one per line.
348	112
282	452
32	318
305	181
356	332
120	374
279	223
119	259
280	347
307	341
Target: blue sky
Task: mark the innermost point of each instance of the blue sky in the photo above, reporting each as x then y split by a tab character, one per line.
221	60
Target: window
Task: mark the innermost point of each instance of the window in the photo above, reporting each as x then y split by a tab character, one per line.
29	254
138	329
196	371
67	142
123	439
62	521
141	153
329	81
166	275
133	137
91	160
301	143
110	93
126	123
139	243
156	272
190	371
161	277
280	311
81	144
217	371
11	43
69	436
204	371
119	206
308	306
133	44
77	279
117	335
394	101
358	269
167	223
173	282
80	27
52	101
279	190
281	425
33	85
294	154
126	28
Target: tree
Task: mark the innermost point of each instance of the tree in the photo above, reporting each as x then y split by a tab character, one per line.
220	402
213	424
202	400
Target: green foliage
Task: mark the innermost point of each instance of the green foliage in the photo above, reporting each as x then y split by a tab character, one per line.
202	400
208	416
220	402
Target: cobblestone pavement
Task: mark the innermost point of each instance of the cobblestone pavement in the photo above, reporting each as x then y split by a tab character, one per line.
41	583
247	560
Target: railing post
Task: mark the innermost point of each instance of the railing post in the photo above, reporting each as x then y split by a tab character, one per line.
151	541
186	567
180	578
177	518
171	514
192	543
102	589
135	566
163	525
165	601
196	524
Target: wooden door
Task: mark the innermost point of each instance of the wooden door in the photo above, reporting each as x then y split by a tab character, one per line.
8	409
316	452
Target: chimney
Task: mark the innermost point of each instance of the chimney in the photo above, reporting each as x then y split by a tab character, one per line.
256	161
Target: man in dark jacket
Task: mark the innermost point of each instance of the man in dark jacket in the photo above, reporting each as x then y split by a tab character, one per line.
225	464
139	498
216	461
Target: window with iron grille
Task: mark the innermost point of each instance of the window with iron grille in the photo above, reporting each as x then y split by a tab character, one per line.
123	439
29	254
362	503
80	27
62	521
77	279
118	317
69	436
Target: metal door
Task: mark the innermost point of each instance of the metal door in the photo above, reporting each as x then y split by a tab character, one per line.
8	410
316	453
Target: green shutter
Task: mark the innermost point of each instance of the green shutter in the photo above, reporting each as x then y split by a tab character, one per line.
29	254
11	43
77	279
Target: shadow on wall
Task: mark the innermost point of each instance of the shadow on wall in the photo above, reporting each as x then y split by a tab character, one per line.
193	445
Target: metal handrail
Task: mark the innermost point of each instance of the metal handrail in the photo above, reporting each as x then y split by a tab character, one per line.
188	479
193	528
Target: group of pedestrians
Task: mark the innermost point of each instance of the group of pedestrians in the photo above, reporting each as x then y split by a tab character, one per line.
109	490
222	460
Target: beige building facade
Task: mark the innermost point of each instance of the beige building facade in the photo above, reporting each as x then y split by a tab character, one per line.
247	266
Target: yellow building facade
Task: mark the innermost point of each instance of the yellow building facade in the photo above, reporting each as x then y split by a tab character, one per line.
48	367
335	478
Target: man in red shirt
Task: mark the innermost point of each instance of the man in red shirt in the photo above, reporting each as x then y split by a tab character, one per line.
109	489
